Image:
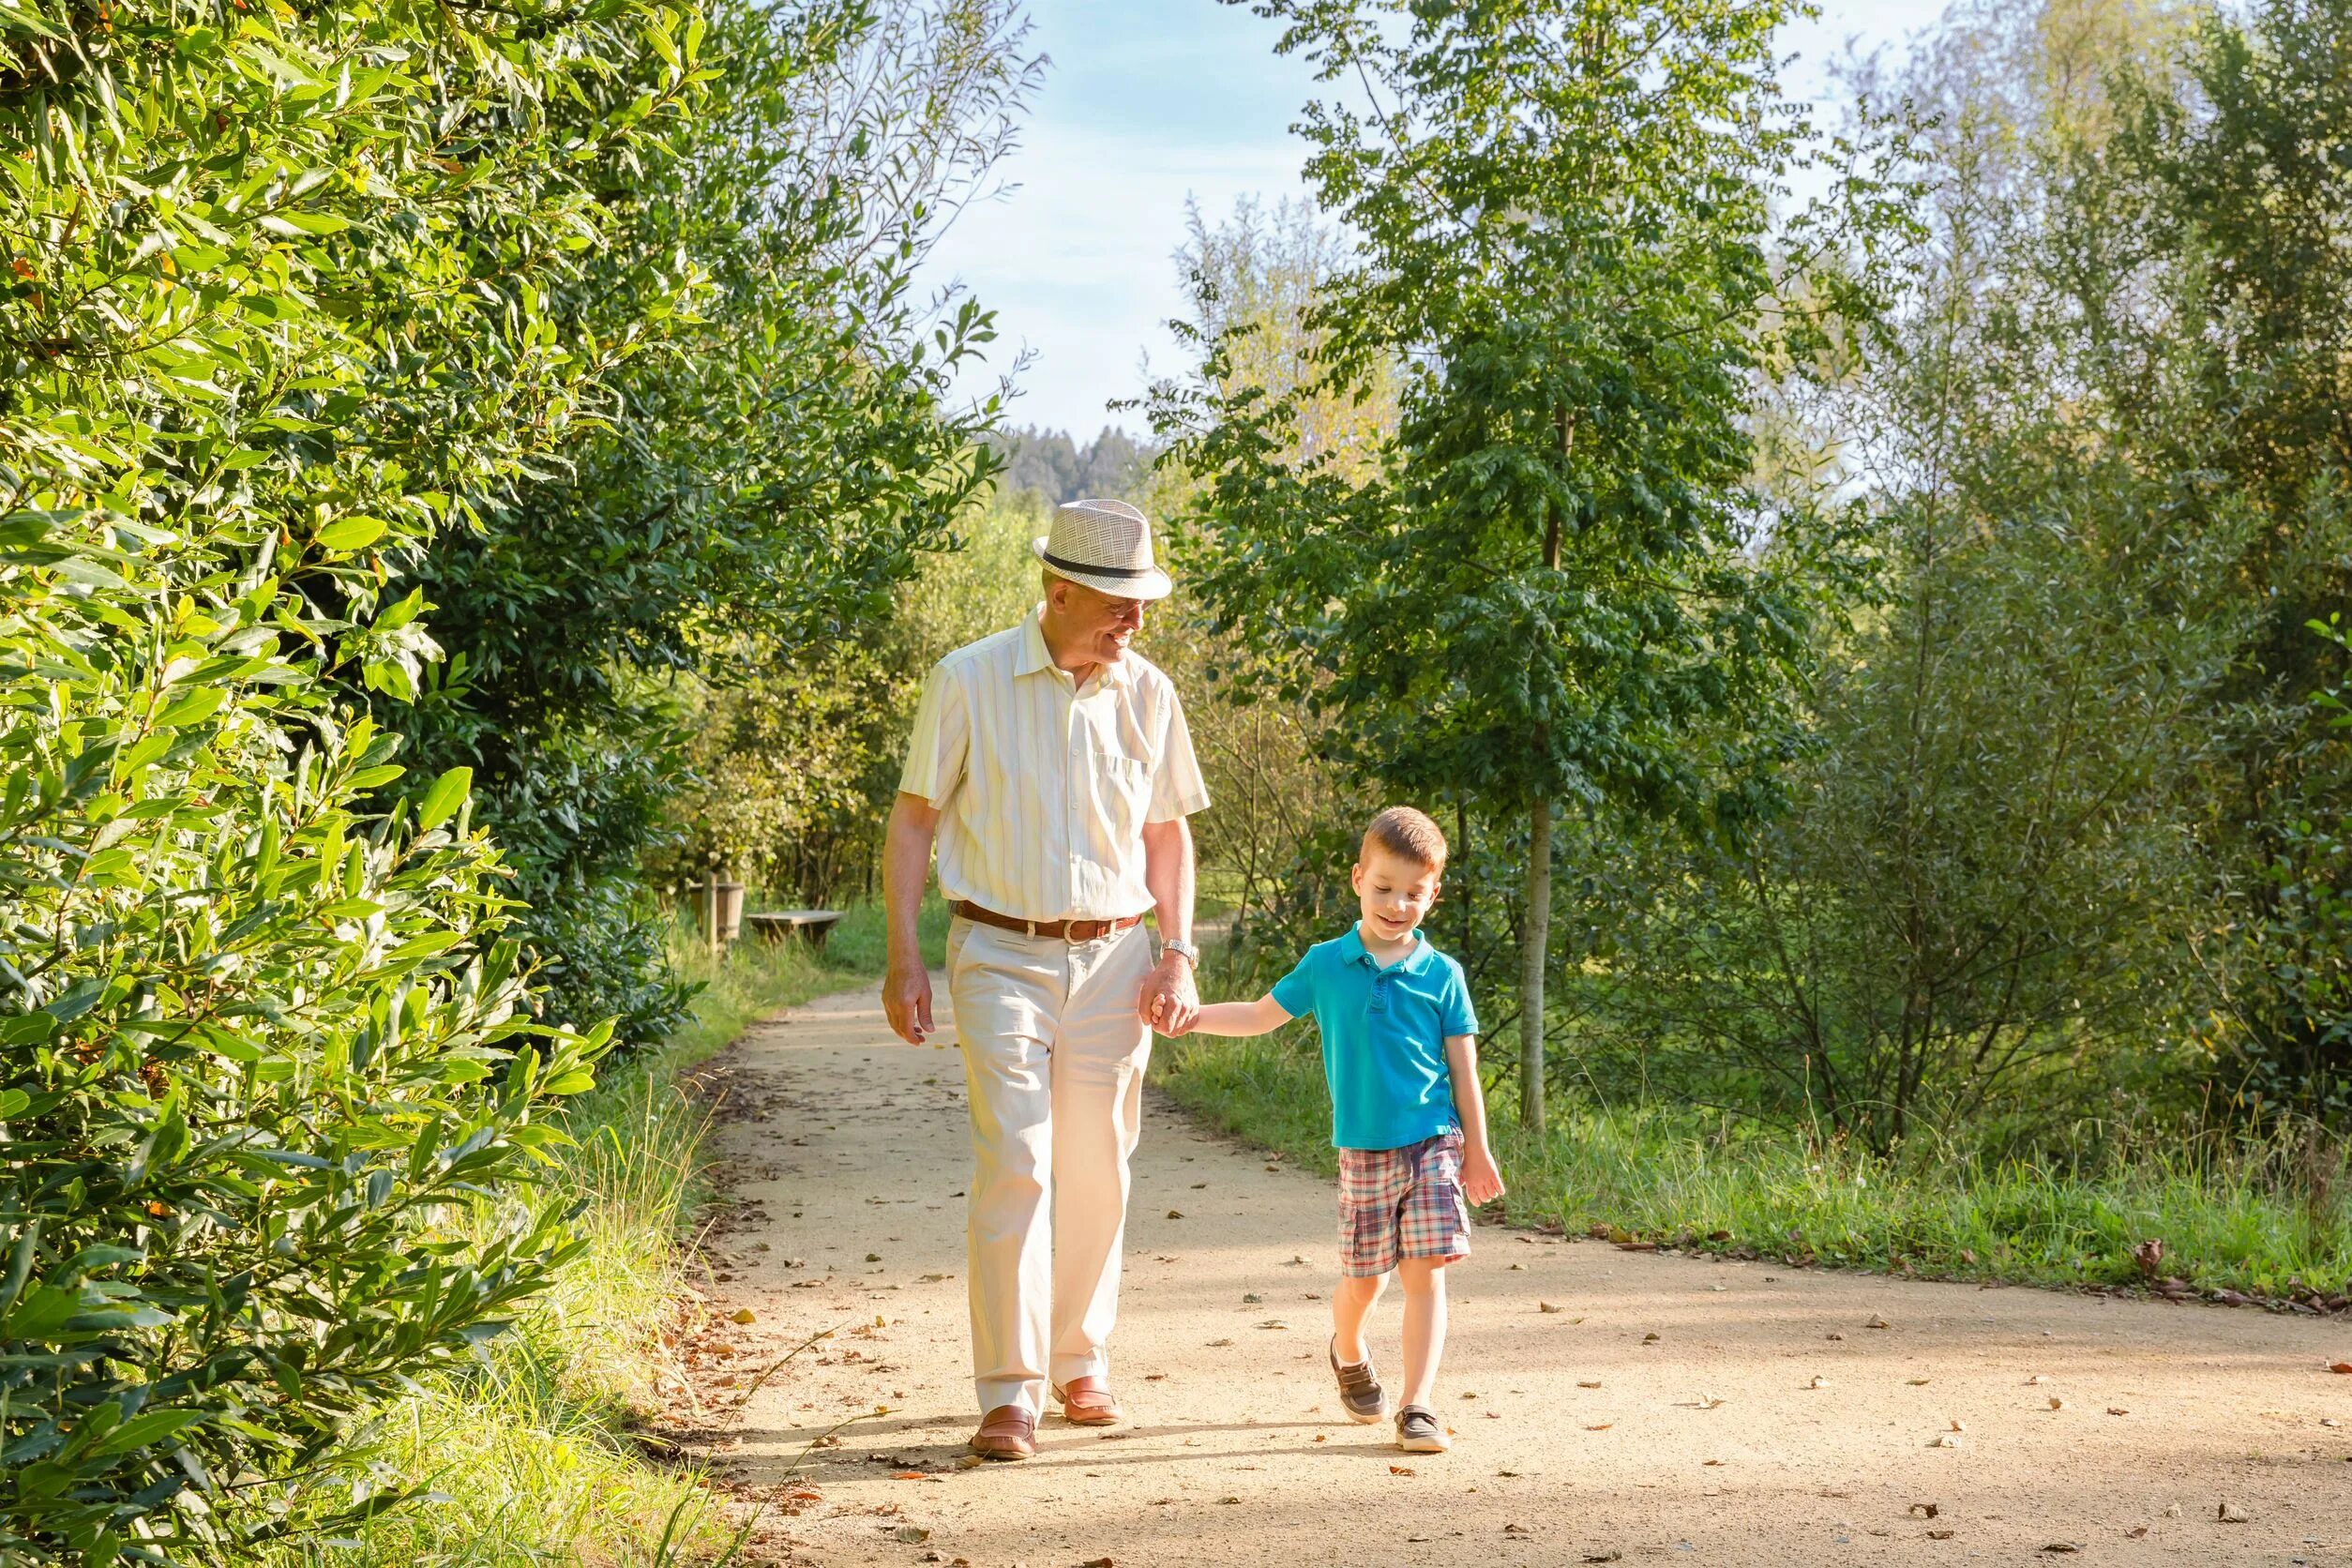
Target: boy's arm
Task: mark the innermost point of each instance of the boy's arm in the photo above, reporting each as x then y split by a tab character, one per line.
1481	1180
1261	1016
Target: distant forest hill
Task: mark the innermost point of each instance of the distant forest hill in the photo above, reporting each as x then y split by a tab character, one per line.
1050	465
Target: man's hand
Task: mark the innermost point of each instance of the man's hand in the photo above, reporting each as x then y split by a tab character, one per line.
907	1001
1481	1180
1168	1001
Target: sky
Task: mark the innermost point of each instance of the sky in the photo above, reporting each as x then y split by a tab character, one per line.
1146	103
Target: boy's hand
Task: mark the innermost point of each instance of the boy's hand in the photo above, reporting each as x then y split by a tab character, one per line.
1481	1180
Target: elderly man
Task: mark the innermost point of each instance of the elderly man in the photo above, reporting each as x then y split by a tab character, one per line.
1051	766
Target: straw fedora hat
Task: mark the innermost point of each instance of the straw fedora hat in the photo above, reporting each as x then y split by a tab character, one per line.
1105	545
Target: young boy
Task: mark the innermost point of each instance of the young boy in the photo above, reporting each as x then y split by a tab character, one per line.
1400	1052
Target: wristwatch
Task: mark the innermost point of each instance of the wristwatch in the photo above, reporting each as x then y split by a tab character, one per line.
1178	944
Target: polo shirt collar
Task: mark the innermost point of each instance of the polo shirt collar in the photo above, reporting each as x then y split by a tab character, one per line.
1352	949
1037	659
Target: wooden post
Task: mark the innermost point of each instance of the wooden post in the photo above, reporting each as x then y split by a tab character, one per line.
710	913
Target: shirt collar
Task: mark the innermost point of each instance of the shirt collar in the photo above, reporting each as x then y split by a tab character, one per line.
1037	659
1351	948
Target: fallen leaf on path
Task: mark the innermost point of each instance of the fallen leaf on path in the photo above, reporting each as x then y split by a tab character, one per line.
2138	1532
1837	1337
1219	1344
913	1475
935	1279
912	1534
2118	1410
1516	1530
1518	1267
2329	1421
1650	1339
2231	1514
1400	1470
873	1257
1878	1322
1274	1324
1098	1562
1199	1187
2340	1366
1600	1425
743	1315
1251	1298
1939	1534
1925	1510
1469	1395
2036	1381
1612	1555
2172	1511
1956	1425
1508	1476
1175	1213
1709	1401
1595	1383
1710	1461
2061	1546
2057	1403
1546	1306
1222	1501
1319	1438
1295	1260
1155	1376
1945	1440
1917	1382
1818	1382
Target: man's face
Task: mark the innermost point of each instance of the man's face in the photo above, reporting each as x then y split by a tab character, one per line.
1092	623
1396	893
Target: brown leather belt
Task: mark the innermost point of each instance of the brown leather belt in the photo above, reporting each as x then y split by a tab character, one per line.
1069	931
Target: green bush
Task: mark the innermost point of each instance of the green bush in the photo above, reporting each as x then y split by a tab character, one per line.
272	312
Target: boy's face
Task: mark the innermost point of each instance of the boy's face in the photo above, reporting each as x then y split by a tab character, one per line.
1396	892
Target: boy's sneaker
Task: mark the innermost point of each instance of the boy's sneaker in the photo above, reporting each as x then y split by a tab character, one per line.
1418	1431
1359	1392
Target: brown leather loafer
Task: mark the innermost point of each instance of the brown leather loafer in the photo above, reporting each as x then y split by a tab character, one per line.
1088	1402
1007	1432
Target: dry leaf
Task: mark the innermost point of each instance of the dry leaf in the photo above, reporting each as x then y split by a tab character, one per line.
1956	1425
1946	1440
1708	1401
1837	1337
1917	1382
1545	1307
909	1475
1400	1470
1516	1530
2061	1547
2172	1511
1650	1339
2057	1403
2340	1366
1595	1383
1274	1324
744	1314
2231	1514
1818	1382
1175	1213
1223	1502
912	1534
2138	1532
2036	1381
1939	1534
1218	1344
1878	1322
1925	1510
1600	1426
1098	1562
1251	1298
2118	1410
1612	1555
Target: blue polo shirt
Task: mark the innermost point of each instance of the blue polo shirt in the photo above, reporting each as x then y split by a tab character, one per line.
1384	1033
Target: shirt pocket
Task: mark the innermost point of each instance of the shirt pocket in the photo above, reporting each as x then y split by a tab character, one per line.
1123	791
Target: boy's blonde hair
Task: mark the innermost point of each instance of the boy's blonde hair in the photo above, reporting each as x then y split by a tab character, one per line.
1408	834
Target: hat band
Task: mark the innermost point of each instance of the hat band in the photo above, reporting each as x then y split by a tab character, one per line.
1050	559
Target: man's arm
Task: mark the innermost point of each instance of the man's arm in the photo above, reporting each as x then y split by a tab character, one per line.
906	865
1170	1000
1481	1178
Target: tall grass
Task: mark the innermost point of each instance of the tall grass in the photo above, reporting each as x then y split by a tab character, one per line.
2248	1215
528	1454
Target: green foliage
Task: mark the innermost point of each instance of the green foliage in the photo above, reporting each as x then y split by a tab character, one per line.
278	308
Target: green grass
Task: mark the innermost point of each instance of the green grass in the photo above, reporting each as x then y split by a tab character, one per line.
529	1455
2236	1217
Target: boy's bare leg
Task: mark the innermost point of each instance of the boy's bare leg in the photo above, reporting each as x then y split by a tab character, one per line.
1350	1308
1424	1326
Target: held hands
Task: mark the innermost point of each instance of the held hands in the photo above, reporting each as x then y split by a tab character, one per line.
1169	1002
1481	1180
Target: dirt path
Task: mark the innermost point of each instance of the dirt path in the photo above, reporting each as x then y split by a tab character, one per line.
1660	1407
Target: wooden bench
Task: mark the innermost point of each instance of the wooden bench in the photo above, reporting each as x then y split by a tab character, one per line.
775	925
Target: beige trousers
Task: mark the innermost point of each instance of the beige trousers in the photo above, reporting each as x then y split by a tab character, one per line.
1054	1058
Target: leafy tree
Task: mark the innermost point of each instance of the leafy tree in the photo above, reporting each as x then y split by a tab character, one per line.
761	476
1540	588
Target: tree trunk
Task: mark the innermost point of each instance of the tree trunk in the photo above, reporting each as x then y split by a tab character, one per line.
1535	935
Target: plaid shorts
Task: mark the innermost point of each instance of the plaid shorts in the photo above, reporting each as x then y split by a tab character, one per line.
1402	1204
